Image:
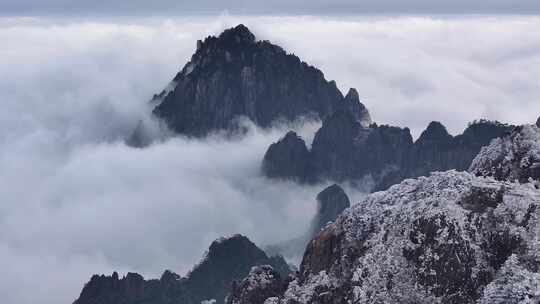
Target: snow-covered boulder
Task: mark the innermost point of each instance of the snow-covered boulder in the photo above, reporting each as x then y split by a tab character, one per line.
513	157
451	237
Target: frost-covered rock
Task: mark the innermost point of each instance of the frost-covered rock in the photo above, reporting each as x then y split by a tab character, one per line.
451	237
513	157
262	282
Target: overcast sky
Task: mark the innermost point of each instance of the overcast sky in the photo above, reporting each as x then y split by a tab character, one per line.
76	201
287	7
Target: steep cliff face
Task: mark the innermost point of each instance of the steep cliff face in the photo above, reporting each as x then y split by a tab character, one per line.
377	157
227	260
451	237
235	75
513	157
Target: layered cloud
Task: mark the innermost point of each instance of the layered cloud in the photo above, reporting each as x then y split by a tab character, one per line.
77	201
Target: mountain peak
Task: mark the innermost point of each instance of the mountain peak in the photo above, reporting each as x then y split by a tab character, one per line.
361	113
352	94
435	131
233	75
238	34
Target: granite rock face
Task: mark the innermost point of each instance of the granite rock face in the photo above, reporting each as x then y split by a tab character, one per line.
451	237
377	157
234	75
515	157
227	260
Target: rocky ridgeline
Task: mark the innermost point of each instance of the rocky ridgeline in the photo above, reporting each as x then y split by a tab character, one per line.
226	261
235	75
375	157
451	237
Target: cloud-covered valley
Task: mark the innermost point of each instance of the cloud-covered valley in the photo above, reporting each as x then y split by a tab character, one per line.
76	200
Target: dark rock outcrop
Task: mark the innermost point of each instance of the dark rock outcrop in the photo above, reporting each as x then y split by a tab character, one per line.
234	75
451	237
377	157
288	158
538	122
330	204
359	111
227	260
515	157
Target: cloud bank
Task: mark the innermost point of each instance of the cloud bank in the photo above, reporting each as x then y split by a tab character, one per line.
77	201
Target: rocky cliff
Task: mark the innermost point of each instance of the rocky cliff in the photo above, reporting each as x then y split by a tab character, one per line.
376	157
451	237
227	260
513	157
235	75
262	283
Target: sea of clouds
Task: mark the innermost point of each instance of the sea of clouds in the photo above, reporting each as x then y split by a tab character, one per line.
75	200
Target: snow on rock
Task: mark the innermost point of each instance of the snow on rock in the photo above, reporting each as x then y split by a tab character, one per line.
262	283
451	237
513	157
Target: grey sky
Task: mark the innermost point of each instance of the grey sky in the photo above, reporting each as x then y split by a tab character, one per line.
287	7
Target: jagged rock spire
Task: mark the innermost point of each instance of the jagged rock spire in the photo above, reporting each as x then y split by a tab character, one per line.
352	101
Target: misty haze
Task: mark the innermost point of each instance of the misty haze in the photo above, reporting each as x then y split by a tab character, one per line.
306	153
